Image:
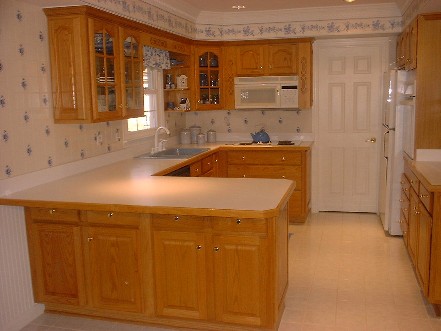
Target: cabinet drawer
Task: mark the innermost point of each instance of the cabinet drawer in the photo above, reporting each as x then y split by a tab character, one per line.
292	172
413	179
207	164
404	226
195	169
426	198
404	204
405	185
55	214
265	157
179	222
113	218
254	225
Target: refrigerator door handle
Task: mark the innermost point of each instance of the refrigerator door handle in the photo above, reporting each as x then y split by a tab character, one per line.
384	144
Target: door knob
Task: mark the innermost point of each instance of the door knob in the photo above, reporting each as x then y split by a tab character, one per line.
371	140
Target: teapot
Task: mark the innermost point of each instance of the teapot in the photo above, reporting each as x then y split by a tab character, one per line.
260	137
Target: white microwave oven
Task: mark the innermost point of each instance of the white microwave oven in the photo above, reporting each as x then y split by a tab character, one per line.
266	92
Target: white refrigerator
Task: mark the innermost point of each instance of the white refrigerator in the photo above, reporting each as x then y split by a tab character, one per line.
391	164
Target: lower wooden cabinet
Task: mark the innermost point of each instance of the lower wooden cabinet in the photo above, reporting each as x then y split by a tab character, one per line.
54	240
215	268
113	259
177	270
421	238
240	282
180	274
289	164
69	253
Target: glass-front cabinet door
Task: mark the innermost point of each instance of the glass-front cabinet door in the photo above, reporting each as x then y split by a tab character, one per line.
132	66
209	78
107	96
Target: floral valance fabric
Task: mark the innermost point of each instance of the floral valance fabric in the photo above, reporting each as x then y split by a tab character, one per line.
156	58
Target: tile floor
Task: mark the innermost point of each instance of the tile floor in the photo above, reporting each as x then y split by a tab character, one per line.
344	274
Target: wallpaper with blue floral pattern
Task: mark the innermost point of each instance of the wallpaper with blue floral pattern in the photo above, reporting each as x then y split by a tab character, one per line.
29	139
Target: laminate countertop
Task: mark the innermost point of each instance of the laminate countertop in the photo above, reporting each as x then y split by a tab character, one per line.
429	172
129	186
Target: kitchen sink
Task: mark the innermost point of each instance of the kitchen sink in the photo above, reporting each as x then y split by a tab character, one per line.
174	153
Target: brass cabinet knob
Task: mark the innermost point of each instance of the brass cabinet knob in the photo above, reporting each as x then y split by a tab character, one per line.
283	158
176	218
216	249
110	214
89	239
52	211
238	221
243	157
198	247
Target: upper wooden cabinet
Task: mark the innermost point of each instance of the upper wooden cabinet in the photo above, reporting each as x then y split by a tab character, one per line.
208	77
407	47
96	66
267	59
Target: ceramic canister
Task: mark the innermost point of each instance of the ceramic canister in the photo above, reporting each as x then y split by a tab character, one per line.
211	136
194	131
201	139
185	137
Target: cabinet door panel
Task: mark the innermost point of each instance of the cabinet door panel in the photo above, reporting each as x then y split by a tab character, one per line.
180	274
56	252
114	260
282	59
240	280
424	240
68	80
413	226
250	60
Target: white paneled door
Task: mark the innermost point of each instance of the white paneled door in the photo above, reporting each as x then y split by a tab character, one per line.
349	118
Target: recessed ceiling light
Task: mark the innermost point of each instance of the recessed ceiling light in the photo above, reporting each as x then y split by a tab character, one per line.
238	7
349	1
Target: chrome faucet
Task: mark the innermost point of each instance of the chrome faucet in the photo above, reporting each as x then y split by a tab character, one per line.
159	146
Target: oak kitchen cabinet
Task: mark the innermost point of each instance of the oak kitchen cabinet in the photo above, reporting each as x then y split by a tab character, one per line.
208	77
181	69
160	266
276	163
269	57
100	251
422	207
96	66
419	50
214	268
54	241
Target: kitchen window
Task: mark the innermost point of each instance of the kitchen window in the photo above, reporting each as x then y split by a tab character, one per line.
146	125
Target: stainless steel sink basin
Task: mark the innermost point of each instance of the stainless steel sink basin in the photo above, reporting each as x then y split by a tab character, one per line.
174	153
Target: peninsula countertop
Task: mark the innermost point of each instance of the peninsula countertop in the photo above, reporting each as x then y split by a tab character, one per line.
129	186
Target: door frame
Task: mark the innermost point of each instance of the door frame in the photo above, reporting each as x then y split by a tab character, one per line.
385	45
